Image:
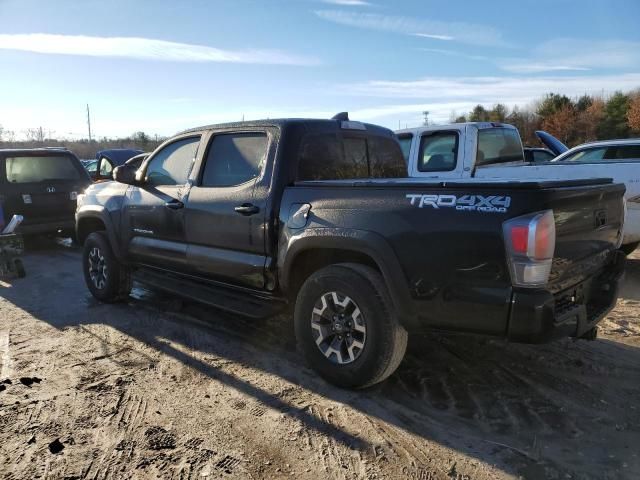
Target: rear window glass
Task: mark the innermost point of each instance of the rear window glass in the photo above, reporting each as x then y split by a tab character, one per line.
40	169
386	159
330	157
499	145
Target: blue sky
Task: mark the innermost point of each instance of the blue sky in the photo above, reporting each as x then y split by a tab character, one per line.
162	66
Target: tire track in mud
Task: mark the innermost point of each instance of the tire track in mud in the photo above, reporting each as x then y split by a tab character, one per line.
479	390
329	453
5	356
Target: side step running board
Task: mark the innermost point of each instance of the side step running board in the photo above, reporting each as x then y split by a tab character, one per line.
238	302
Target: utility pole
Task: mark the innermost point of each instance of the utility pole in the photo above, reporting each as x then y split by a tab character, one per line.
89	122
426	118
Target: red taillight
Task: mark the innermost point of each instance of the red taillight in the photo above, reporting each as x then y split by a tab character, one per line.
530	242
520	239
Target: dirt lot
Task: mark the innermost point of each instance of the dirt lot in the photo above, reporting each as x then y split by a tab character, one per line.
161	389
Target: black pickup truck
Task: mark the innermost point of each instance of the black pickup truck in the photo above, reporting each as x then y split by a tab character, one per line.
317	216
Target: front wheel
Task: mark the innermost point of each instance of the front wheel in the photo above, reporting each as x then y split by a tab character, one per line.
346	326
107	279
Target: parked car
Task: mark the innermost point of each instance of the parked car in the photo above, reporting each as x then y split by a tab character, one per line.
606	151
91	166
137	161
42	185
107	160
493	151
318	216
538	155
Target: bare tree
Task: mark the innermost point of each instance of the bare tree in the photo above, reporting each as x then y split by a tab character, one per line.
35	134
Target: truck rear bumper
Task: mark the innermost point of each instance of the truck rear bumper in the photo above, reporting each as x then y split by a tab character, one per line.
632	224
540	316
47	227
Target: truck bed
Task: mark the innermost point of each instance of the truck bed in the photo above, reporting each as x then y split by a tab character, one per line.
452	258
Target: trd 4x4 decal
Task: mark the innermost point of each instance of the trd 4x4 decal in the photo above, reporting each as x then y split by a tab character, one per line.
471	203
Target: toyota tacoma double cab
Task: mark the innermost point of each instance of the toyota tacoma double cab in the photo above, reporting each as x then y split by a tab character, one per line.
318	216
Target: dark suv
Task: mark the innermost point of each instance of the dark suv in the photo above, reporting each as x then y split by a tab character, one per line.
42	185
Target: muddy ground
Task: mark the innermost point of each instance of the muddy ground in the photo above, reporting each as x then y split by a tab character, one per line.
157	388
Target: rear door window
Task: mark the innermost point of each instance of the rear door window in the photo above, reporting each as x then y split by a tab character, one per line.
438	152
36	169
499	145
623	152
234	159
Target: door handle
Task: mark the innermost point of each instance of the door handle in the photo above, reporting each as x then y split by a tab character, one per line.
174	204
247	209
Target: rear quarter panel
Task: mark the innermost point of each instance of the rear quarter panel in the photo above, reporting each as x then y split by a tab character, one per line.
453	260
450	260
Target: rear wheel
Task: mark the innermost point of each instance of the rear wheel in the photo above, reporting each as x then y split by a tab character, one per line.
346	326
107	279
629	247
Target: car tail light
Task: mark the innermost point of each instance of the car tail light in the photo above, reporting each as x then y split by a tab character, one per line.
530	242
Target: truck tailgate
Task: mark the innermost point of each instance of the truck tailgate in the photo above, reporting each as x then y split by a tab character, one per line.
589	221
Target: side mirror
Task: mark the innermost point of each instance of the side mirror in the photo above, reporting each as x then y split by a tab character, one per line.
125	174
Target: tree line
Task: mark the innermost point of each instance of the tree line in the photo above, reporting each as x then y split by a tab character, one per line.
84	149
571	120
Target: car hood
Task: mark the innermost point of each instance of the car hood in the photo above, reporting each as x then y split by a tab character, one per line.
551	142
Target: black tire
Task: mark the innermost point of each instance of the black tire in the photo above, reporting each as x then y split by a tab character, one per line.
385	342
629	247
19	266
111	284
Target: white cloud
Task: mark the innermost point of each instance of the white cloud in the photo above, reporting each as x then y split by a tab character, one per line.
143	49
348	3
440	95
461	32
453	53
568	54
528	67
435	37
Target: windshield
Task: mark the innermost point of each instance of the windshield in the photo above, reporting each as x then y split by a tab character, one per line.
40	168
499	145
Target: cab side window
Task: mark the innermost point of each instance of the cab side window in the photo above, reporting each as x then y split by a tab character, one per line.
438	152
172	164
588	155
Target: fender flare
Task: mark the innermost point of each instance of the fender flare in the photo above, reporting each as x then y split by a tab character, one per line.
364	242
100	213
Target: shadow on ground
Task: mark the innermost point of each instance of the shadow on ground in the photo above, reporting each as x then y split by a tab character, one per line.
561	408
